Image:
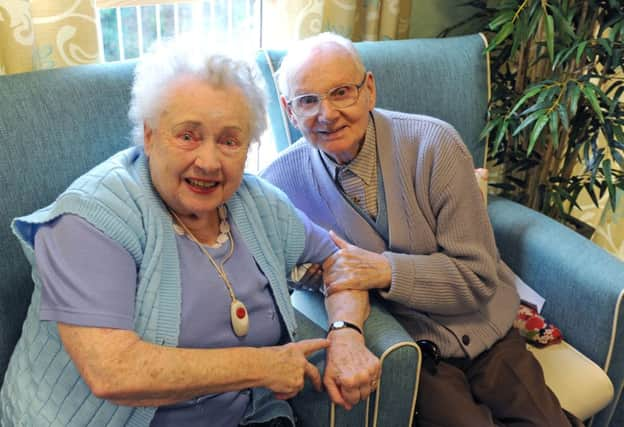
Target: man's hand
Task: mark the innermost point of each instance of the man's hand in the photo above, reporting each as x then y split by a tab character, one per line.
312	279
351	371
355	268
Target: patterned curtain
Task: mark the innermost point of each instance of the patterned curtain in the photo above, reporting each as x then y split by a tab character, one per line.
286	20
42	34
609	225
610	231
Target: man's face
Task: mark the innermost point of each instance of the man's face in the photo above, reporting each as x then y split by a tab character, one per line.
336	131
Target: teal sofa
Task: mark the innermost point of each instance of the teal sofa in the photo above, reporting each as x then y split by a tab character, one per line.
583	285
57	124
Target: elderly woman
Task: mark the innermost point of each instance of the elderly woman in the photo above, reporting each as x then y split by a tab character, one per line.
160	275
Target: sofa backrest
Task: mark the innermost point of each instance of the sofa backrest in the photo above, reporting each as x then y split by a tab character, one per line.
444	78
54	126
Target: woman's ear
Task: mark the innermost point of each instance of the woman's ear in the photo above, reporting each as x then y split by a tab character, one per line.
289	112
147	139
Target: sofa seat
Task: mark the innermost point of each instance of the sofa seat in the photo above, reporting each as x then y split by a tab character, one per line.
581	386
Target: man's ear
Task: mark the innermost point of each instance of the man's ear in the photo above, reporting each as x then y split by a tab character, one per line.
289	112
147	139
372	90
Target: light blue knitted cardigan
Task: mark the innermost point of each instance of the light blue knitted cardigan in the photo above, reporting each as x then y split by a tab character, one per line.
42	386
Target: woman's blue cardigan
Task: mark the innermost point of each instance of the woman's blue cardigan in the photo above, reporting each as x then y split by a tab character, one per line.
42	385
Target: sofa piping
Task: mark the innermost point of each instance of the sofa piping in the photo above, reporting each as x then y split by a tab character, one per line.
388	351
607	364
488	77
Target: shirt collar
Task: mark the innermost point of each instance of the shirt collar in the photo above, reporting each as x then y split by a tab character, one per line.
364	163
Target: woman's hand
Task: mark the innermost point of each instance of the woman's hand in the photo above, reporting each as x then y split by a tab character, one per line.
289	366
352	267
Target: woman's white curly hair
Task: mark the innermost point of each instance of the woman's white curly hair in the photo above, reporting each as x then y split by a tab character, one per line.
184	56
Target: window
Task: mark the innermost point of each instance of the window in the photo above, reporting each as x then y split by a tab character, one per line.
129	27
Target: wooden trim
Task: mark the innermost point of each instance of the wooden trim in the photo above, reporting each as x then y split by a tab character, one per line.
489	95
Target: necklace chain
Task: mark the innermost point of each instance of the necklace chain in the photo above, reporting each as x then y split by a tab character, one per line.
217	266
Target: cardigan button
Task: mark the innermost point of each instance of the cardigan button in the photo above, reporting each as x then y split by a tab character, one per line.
466	339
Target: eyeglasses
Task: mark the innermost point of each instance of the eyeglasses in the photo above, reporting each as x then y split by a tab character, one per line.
339	97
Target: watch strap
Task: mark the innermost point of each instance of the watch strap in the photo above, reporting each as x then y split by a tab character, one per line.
341	324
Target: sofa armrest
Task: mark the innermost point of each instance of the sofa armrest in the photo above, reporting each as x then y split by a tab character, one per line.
400	367
582	284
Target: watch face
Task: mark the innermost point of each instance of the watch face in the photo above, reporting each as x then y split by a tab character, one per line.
338	324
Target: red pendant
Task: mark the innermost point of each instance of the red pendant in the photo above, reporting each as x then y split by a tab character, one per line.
241	312
240	319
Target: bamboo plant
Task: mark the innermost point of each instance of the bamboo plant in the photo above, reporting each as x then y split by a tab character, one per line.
555	117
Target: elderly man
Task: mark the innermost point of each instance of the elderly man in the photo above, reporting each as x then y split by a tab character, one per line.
402	187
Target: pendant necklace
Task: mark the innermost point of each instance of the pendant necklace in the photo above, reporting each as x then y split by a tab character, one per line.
238	312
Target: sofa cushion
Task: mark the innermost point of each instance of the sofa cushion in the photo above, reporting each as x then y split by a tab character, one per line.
581	386
54	126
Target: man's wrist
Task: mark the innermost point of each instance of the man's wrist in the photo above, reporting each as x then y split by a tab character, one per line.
387	272
343	324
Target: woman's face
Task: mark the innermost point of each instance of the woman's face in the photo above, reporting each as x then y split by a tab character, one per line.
197	150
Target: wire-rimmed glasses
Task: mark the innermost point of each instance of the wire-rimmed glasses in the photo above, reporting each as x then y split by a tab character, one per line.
309	104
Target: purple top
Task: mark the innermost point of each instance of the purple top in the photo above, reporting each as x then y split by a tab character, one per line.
70	252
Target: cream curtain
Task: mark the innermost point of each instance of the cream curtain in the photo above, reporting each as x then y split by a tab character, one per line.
609	225
286	20
42	34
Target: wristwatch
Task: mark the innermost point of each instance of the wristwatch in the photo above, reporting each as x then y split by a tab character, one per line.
341	324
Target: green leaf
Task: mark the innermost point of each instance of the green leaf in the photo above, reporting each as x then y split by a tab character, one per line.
606	45
614	31
588	91
504	32
619	134
535	133
606	165
501	19
499	135
579	51
548	93
617	156
558	201
563	115
550	37
527	94
526	122
574	97
533	23
488	127
539	106
592	193
615	100
562	22
554	129
562	56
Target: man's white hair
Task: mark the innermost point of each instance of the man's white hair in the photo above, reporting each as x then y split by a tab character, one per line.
302	49
185	56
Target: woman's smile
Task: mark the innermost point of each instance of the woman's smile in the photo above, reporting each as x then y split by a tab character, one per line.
201	186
